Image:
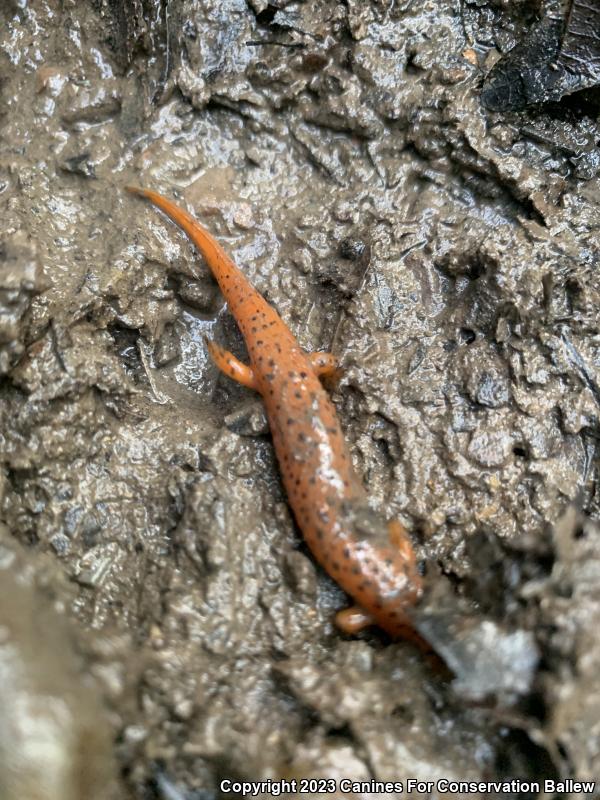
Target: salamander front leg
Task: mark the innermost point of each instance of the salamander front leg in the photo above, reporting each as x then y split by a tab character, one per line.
400	540
231	365
352	620
401	543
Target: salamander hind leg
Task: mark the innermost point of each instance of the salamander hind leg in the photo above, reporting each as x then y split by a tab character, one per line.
325	365
231	365
352	620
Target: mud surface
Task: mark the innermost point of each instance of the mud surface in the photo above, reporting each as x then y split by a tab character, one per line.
445	253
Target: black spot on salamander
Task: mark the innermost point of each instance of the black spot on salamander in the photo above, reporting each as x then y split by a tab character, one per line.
298	395
346	552
320	533
304	375
271	362
356	570
335	566
312	480
388	562
291	374
290	421
269	376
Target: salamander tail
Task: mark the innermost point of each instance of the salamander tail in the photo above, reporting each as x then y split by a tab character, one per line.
221	266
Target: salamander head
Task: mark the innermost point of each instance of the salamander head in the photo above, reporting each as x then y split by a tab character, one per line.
385	558
362	523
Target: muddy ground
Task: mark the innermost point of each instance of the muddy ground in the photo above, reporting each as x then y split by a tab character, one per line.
161	620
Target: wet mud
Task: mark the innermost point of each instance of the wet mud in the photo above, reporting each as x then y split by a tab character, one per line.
445	252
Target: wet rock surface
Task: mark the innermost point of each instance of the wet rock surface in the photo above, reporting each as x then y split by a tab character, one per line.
557	57
446	253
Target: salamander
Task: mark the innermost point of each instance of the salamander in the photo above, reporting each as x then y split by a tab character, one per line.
371	559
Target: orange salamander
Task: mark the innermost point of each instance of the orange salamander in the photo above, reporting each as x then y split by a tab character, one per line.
372	560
